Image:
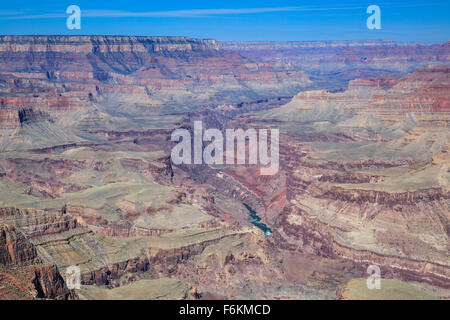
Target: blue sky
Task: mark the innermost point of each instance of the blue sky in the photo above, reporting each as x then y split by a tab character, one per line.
282	20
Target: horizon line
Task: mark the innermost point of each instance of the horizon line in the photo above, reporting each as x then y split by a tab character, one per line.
213	39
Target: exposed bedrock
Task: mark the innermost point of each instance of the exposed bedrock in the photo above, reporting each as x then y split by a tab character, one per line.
297	231
25	271
108	275
380	197
149	262
49	283
15	248
79	74
11	118
38	281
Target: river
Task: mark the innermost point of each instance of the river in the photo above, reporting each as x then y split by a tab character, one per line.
256	221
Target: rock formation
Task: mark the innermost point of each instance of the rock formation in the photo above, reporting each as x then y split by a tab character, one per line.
86	177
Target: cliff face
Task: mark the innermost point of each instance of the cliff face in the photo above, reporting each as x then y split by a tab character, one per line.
274	45
77	73
23	275
98	77
15	118
424	93
104	44
40	281
47	56
15	248
9	119
346	57
49	283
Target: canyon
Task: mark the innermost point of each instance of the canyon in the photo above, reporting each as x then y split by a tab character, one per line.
87	179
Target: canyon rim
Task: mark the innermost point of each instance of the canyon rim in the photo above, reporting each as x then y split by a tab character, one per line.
179	168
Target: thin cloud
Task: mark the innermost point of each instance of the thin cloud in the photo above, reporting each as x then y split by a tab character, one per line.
10	13
192	13
196	13
186	13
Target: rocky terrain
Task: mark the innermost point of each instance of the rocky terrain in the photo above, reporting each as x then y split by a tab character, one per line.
87	180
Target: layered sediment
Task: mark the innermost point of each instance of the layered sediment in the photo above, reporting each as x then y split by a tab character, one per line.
87	180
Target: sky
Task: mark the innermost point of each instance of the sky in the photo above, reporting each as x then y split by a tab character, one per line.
232	20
